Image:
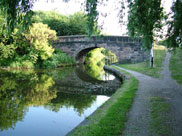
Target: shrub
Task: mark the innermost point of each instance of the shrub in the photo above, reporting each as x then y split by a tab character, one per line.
58	58
19	63
32	48
27	64
39	37
7	51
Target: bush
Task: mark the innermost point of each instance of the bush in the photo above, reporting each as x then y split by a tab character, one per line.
57	59
39	37
21	62
32	48
7	51
27	64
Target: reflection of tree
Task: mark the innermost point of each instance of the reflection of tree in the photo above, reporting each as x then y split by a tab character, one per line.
95	61
79	102
17	91
11	109
60	73
20	89
94	70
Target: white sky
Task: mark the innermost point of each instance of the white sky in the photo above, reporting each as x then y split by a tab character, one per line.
109	23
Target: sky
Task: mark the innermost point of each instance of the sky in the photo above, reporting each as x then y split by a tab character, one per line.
108	17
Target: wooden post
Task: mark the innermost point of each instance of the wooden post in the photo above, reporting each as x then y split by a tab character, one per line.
152	57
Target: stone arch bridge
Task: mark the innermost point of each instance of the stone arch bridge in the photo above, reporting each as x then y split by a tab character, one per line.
125	48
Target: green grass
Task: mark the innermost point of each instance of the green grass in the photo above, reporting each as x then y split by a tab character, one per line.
176	65
159	117
144	67
110	118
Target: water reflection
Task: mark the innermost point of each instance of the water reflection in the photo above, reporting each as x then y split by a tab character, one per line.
24	94
95	61
79	102
96	71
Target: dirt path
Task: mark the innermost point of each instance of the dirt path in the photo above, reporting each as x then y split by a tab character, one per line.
167	88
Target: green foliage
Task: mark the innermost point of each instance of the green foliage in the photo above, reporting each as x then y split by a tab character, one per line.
21	64
16	13
54	20
174	36
39	37
100	54
176	65
75	24
27	49
7	51
144	19
95	61
163	43
58	59
92	14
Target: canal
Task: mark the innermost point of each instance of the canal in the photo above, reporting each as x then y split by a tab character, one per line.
51	102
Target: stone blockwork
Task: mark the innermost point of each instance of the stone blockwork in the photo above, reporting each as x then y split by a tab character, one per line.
125	48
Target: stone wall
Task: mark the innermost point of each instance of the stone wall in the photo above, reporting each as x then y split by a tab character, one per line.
125	48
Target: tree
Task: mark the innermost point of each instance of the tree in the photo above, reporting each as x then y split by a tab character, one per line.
16	12
92	14
144	19
174	36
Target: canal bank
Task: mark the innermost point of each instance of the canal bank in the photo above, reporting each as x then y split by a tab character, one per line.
109	119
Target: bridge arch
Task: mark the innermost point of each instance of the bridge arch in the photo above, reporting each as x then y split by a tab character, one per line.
125	48
80	57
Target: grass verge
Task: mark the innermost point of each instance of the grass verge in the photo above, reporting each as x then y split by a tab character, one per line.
109	119
159	117
144	67
176	65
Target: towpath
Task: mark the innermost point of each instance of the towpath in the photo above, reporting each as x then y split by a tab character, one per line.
139	116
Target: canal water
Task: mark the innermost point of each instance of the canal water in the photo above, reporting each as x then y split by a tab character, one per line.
51	102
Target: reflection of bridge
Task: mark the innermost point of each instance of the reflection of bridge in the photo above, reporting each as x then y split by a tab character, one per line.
79	82
125	48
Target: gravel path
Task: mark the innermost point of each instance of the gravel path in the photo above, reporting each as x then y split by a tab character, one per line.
167	88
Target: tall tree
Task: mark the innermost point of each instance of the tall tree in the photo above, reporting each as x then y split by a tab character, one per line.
144	19
92	14
16	12
174	36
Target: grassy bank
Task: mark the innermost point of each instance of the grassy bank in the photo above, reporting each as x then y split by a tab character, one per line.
144	67
176	65
159	117
109	119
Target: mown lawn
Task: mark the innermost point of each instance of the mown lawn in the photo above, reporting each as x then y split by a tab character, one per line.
144	67
109	119
176	65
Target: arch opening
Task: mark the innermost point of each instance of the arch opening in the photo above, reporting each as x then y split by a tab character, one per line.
80	57
95	59
106	54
